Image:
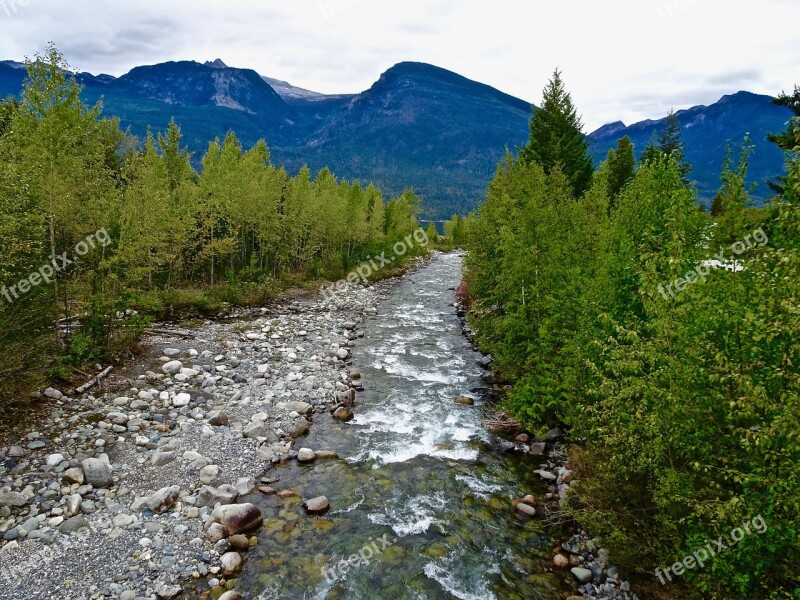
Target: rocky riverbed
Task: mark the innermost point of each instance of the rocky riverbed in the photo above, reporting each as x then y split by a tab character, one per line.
156	483
114	495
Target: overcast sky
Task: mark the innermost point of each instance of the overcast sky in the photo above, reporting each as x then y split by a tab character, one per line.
621	59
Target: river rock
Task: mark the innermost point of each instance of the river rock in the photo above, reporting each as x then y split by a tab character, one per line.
303	408
218	419
583	576
232	595
239	518
53	394
74	524
163	458
12	499
181	400
216	532
317	506
231	563
54	460
526	509
346	398
172	368
561	561
299	428
465	401
73	505
343	414
239	542
164	499
74	475
306	455
169	592
209	474
210	496
98	472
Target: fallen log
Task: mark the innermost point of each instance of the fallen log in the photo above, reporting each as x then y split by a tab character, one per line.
94	381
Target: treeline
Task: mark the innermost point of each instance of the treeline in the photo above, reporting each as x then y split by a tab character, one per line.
665	340
143	234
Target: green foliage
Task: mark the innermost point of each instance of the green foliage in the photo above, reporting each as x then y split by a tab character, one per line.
688	406
621	165
557	138
669	143
175	242
787	140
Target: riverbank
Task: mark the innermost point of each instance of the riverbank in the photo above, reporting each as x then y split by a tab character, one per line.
112	495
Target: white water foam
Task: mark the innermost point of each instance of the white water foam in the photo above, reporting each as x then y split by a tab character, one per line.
412	517
445	578
481	489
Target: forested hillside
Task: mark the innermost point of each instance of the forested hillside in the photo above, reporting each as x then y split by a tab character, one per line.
99	235
666	342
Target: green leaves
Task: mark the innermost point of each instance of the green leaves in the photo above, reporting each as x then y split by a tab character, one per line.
688	405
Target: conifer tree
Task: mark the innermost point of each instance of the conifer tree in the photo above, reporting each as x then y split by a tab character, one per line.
621	164
557	137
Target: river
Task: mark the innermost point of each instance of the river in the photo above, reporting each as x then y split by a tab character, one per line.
420	492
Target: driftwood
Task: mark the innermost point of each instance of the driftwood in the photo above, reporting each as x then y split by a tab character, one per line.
93	381
500	422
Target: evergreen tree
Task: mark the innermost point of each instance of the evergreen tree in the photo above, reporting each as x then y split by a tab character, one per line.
671	143
786	140
557	137
621	164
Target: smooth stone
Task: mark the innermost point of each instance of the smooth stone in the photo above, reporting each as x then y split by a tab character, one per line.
583	576
306	455
231	563
74	524
98	472
172	368
317	506
164	499
239	518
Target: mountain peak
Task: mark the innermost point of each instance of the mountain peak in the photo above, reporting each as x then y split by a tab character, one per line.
216	64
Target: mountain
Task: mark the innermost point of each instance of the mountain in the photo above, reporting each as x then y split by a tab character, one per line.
418	125
707	130
421	126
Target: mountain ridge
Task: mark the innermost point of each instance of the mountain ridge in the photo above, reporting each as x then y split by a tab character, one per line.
418	125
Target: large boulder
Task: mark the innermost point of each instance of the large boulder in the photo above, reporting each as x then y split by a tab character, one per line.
239	518
98	472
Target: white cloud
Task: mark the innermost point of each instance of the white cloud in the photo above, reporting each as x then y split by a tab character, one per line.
622	60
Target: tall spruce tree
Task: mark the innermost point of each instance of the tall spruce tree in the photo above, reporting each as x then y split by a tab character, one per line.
621	165
786	140
557	137
671	143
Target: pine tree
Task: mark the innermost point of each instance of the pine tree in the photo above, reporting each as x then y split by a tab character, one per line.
786	140
671	144
621	164
557	137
